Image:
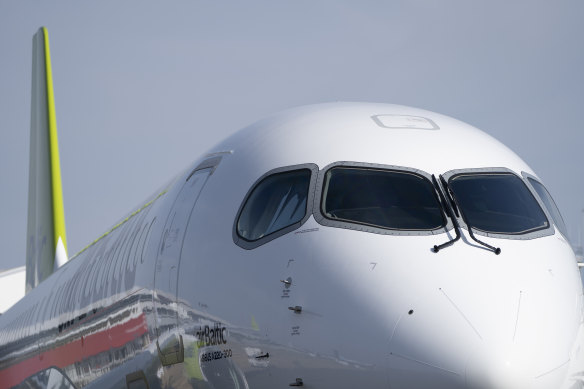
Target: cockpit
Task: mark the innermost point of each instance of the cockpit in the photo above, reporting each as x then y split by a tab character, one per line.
494	202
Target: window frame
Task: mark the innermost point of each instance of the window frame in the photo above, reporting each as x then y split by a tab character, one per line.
527	177
252	244
534	234
321	218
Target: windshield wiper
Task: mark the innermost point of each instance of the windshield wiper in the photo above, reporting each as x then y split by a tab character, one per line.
450	193
450	212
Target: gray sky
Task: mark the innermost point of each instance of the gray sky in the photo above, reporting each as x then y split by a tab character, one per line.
142	87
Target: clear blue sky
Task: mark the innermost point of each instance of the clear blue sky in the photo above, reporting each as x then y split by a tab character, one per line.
143	87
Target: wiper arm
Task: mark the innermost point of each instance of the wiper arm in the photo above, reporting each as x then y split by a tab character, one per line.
450	193
450	213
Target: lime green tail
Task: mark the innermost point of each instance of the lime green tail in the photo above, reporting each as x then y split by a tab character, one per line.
46	242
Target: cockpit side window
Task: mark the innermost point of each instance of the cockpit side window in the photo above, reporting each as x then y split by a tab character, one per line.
277	203
550	205
497	203
382	199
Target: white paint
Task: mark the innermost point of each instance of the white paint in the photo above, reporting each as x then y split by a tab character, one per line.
60	255
11	287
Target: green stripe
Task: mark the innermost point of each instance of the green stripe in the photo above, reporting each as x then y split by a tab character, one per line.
58	208
122	222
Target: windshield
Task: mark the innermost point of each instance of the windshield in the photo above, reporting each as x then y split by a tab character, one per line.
550	204
381	198
498	203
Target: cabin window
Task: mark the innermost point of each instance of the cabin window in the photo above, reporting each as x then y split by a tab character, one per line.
276	202
550	204
498	203
386	199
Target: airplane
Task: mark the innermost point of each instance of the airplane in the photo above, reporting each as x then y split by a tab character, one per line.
336	245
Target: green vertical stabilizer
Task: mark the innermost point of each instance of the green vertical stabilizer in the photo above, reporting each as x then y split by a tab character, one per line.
46	243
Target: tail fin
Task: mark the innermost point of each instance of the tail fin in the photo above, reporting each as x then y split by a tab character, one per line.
46	244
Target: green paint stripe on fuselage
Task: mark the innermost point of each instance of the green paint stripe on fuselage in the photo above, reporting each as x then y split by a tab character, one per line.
121	223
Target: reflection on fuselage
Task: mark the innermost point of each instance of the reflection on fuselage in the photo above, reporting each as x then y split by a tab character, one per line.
86	350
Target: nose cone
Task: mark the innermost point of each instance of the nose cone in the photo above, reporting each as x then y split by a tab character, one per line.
483	321
508	339
496	371
511	368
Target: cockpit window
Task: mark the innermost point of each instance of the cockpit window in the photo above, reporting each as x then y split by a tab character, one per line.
277	202
387	199
498	203
550	204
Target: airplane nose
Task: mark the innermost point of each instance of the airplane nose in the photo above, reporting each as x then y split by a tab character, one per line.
441	343
509	369
498	376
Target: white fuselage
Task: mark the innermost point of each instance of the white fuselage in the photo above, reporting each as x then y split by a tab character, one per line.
177	296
